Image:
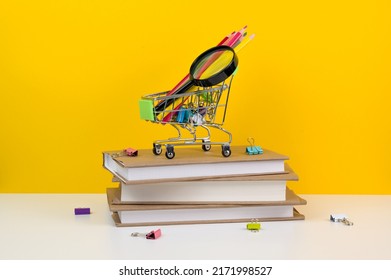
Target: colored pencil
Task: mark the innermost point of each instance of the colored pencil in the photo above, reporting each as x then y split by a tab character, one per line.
233	40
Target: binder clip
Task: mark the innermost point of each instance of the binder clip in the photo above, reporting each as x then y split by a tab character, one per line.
183	115
131	152
340	218
252	149
155	234
254	226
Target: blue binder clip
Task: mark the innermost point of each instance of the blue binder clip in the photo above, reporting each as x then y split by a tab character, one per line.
253	150
183	115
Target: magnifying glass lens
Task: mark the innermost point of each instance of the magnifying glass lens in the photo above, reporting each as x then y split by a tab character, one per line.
213	64
210	68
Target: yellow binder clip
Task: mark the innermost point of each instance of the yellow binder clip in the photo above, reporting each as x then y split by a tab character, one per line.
254	226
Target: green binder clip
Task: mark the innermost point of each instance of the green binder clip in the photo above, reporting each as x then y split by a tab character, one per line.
254	226
146	109
253	150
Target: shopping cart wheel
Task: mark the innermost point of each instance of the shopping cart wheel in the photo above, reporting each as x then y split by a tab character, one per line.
170	154
206	147
157	149
226	150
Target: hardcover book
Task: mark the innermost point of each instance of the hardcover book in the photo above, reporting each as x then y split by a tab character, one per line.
191	164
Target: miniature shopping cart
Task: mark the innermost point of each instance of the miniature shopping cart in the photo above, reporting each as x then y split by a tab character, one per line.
203	109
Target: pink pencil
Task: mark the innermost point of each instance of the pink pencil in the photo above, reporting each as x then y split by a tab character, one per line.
232	41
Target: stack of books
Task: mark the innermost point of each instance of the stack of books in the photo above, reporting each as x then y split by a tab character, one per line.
198	187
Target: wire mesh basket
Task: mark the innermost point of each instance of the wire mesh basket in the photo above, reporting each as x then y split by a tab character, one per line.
203	109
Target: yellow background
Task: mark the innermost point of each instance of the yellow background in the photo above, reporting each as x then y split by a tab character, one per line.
314	84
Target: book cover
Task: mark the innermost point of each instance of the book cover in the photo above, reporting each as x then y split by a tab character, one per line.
115	204
174	214
191	164
209	191
293	217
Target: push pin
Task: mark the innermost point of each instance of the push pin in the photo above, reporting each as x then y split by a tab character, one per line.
254	226
340	218
155	234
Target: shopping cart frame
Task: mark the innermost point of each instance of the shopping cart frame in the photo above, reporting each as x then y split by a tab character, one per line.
205	108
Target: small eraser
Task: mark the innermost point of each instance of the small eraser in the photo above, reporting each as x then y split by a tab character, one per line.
82	211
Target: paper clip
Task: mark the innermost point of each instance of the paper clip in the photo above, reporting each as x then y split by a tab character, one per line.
119	154
252	149
154	234
254	226
340	218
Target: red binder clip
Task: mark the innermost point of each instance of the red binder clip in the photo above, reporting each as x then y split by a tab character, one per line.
155	234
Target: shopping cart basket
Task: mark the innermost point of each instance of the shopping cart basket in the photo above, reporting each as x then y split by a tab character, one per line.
204	108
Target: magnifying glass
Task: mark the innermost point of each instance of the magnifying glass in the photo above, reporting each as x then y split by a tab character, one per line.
213	66
210	68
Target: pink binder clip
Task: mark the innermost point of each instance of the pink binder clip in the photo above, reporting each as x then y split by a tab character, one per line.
131	152
155	234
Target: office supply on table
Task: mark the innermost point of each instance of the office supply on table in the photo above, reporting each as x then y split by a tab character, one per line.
82	211
254	225
340	218
154	234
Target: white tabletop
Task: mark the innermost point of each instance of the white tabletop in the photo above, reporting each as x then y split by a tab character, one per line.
43	226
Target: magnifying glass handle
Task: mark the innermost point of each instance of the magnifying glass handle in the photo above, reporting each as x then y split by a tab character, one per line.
163	105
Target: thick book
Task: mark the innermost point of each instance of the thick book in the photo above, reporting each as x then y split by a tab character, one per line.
147	214
220	190
191	164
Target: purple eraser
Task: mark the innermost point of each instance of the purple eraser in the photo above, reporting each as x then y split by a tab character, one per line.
82	211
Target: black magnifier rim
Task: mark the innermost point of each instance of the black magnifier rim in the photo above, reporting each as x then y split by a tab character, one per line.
218	77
